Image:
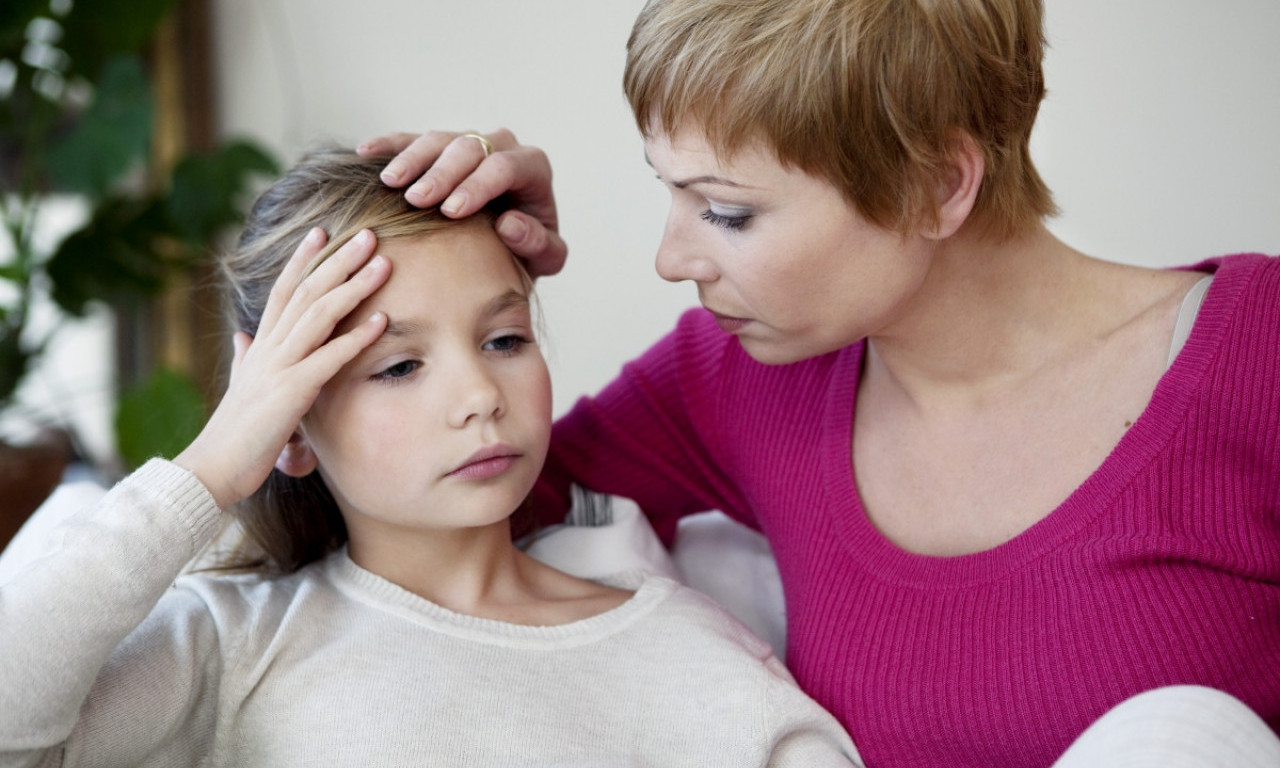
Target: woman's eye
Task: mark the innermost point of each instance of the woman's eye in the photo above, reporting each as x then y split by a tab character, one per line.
509	344
398	371
732	222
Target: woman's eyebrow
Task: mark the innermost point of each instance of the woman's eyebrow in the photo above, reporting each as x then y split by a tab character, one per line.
704	179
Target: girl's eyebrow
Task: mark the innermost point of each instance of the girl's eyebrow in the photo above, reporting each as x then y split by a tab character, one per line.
507	300
511	299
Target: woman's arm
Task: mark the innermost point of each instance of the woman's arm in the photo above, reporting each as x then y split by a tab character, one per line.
456	172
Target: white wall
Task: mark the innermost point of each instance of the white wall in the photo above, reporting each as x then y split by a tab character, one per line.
1158	136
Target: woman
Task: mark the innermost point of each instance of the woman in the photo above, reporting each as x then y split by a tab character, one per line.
1006	486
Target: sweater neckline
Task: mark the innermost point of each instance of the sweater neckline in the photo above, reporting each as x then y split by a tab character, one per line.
1153	429
375	591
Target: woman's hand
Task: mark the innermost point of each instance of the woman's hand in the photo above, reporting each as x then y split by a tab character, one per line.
452	170
277	374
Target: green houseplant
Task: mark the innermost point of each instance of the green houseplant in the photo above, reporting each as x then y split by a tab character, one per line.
77	114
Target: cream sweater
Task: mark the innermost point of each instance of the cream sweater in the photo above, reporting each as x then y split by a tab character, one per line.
106	660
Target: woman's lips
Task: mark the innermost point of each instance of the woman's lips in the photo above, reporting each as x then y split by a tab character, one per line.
486	463
730	324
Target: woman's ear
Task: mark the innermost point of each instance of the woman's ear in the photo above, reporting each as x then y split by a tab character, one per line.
959	189
297	459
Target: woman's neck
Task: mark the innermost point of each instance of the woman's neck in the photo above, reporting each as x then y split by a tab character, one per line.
988	314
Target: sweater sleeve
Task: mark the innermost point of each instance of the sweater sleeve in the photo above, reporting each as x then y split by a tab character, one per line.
803	734
651	434
88	663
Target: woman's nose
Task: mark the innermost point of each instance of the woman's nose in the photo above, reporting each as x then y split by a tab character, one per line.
679	258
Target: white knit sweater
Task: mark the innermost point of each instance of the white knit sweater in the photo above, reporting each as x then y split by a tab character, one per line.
105	660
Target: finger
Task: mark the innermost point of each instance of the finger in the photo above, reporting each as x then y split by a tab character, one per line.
543	250
316	325
456	161
292	274
240	342
522	174
386	145
325	362
416	158
339	267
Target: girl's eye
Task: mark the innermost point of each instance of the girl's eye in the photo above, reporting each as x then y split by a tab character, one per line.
398	371
507	345
735	223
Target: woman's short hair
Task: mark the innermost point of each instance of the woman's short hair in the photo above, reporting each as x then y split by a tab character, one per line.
868	94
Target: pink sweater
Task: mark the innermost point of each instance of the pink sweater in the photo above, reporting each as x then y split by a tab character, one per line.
1162	568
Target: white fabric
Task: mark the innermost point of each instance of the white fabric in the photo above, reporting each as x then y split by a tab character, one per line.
713	554
103	662
1182	726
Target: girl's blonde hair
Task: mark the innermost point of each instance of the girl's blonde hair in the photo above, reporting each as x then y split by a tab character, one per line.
290	521
868	94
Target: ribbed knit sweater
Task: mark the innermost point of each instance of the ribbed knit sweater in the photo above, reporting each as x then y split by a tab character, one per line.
1163	567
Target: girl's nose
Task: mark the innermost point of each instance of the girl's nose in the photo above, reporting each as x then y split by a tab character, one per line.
476	395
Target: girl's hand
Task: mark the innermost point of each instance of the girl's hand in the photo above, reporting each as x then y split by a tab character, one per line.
451	169
276	375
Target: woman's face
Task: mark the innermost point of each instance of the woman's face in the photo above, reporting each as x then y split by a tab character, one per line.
779	256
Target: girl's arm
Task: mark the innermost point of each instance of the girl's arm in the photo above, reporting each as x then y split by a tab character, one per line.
802	734
63	616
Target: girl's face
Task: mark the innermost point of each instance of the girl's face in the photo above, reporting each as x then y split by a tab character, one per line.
779	256
444	421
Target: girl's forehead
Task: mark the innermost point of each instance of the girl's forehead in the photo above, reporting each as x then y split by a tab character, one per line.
450	267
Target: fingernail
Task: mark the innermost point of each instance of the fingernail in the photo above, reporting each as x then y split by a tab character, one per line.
512	230
375	263
389	175
422	188
314	235
363	236
454	203
375	317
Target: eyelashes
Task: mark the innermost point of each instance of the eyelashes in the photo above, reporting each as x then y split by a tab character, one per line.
507	345
732	223
400	370
510	344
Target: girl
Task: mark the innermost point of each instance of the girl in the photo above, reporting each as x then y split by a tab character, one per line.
384	416
1008	485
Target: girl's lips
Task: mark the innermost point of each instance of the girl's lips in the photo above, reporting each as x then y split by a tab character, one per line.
487	462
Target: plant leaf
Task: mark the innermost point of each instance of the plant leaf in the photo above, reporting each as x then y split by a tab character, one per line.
111	137
96	30
110	257
160	417
15	15
207	190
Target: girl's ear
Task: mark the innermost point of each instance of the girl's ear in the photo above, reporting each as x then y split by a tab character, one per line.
297	459
959	189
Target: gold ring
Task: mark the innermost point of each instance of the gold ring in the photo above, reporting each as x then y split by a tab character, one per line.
484	143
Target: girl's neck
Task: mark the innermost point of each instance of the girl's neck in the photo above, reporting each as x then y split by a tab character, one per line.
460	569
480	572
